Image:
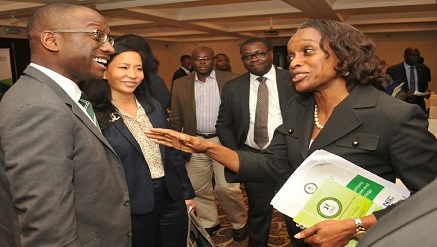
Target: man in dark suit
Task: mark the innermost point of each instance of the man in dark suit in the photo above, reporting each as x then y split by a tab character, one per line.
236	124
410	223
61	183
414	75
194	108
185	69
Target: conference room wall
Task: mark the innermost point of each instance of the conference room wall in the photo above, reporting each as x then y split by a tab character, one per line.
390	47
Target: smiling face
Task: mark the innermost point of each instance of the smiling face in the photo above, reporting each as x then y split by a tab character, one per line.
311	69
257	65
81	56
125	73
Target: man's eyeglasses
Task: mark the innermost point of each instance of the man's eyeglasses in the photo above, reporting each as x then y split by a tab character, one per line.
203	58
100	35
258	54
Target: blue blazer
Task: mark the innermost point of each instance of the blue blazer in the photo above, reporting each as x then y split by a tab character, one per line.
137	172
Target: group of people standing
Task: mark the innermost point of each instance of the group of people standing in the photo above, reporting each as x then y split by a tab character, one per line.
341	107
88	157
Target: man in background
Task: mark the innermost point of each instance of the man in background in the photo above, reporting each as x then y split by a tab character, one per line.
237	124
61	183
195	105
221	62
414	75
185	69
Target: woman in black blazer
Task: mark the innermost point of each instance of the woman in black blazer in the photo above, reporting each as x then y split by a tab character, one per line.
339	109
159	188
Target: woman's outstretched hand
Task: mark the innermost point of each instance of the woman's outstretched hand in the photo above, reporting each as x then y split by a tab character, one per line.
191	144
177	140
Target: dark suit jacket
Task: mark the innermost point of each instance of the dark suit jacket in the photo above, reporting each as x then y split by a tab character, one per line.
398	73
234	115
412	223
183	104
138	176
61	183
393	140
159	90
178	74
369	128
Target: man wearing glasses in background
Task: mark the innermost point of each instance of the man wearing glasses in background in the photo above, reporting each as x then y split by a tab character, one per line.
61	183
194	109
237	125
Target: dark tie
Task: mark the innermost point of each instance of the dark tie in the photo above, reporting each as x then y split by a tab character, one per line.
261	135
412	80
84	101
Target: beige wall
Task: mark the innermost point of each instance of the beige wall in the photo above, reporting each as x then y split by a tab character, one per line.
390	47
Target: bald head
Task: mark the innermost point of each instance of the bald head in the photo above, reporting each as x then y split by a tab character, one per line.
411	56
202	49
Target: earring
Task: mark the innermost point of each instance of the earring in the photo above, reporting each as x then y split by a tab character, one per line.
345	73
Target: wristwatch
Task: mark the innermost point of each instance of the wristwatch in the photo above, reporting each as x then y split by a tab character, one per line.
359	229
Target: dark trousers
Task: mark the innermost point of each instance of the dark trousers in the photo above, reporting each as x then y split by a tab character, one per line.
259	216
165	226
292	229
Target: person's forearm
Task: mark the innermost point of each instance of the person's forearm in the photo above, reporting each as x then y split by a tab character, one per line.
225	156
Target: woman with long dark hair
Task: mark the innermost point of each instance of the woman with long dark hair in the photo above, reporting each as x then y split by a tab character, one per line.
159	188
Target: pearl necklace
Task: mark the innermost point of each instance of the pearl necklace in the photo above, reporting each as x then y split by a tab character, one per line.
316	118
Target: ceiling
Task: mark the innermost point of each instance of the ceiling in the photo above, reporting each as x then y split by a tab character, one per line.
213	20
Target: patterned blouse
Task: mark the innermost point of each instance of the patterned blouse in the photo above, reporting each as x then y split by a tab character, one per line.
137	126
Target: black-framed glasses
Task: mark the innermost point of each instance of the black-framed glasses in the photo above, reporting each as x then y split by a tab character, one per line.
203	58
258	54
100	35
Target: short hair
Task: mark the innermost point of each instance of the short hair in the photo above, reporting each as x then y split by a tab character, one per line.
49	17
358	63
254	40
221	54
183	57
203	48
149	59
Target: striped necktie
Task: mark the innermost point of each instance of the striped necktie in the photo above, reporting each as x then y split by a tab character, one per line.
84	101
412	80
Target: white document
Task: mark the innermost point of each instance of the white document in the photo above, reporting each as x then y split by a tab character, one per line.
417	93
320	165
397	89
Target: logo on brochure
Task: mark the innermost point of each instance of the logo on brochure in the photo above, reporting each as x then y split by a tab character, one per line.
329	207
310	188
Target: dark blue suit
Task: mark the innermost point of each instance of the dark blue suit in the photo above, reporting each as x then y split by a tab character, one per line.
142	189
